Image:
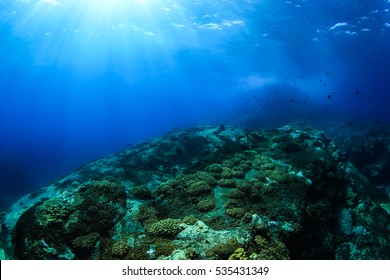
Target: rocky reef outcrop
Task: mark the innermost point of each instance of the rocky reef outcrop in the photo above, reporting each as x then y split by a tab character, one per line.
207	193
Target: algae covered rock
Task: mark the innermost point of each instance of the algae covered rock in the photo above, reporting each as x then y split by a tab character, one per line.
207	193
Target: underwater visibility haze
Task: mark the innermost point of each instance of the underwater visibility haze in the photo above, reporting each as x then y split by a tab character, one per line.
80	79
83	79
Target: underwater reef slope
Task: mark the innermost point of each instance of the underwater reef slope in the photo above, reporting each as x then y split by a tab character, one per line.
207	193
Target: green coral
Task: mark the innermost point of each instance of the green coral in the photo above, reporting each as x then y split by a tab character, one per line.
164	190
262	249
52	211
232	203
205	177
164	228
198	188
269	250
146	215
236	213
222	251
227	183
229	173
206	205
261	176
239	254
141	192
189	220
42	250
86	241
267	165
119	248
236	193
83	246
188	179
107	189
214	170
164	247
236	160
196	184
258	161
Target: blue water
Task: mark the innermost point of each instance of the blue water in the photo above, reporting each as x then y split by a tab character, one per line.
81	79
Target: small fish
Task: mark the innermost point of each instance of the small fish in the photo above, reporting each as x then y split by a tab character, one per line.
327	74
330	96
292	100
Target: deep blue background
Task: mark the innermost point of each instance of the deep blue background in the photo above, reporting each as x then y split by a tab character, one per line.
81	79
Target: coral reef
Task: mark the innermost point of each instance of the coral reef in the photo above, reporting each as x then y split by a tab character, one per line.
164	228
206	205
120	248
211	193
70	222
